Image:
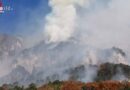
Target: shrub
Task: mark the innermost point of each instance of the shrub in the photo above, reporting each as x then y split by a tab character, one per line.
32	87
84	88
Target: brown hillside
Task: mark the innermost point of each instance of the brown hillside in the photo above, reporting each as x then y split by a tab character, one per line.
72	85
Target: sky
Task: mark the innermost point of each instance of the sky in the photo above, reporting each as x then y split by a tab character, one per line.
80	31
100	22
10	21
21	13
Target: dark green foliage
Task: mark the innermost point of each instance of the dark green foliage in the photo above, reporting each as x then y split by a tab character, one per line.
90	88
84	88
126	88
77	73
32	87
17	88
108	70
56	84
1	88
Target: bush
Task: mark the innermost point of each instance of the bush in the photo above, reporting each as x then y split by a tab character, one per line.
17	88
84	88
32	87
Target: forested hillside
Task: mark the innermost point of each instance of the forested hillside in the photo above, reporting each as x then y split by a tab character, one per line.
104	80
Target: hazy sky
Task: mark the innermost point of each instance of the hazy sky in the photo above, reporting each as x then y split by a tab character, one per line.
100	23
74	30
22	14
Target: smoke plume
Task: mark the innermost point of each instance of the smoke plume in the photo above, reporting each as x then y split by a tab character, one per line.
76	33
61	22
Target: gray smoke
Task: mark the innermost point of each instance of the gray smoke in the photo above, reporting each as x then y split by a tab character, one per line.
76	33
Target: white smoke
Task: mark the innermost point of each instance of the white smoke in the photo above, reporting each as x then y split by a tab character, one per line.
103	27
61	21
77	32
107	26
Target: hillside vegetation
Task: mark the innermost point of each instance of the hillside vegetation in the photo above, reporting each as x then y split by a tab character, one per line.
102	81
109	71
73	85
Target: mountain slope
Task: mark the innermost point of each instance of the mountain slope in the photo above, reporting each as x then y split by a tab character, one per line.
74	85
109	71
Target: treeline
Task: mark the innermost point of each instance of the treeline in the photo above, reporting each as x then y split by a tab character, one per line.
102	81
73	85
107	71
17	87
107	85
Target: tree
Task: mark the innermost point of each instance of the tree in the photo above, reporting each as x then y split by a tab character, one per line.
32	86
84	88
